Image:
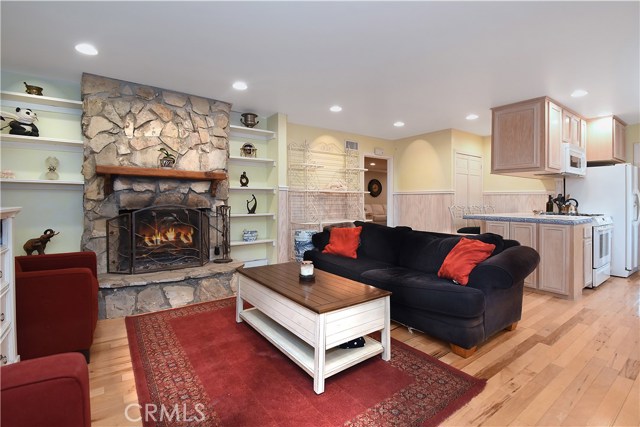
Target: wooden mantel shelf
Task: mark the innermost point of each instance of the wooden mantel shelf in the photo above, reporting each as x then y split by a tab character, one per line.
110	171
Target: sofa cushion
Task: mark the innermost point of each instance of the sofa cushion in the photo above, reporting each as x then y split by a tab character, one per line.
343	242
463	258
380	242
345	267
321	239
426	251
427	292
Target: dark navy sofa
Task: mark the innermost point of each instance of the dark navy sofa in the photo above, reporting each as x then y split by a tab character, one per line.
406	262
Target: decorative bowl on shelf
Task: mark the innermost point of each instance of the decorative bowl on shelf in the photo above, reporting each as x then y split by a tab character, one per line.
32	90
249	235
249	119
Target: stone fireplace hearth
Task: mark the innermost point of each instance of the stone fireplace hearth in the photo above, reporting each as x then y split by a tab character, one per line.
124	294
125	126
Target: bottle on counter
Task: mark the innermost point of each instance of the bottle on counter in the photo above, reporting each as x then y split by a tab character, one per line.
550	204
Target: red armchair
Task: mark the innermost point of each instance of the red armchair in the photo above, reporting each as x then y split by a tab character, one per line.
56	303
49	391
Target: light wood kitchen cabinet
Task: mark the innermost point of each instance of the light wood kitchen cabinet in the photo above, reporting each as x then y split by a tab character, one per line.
526	138
570	127
527	234
583	134
565	253
554	258
606	140
524	232
497	227
562	258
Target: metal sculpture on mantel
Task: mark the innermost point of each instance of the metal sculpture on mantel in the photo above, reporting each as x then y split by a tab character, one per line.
252	204
223	231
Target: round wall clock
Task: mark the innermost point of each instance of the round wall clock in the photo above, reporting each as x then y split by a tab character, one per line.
374	187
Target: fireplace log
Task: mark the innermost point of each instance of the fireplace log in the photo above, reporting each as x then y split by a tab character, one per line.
110	171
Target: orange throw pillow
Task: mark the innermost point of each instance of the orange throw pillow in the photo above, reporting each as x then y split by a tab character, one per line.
343	242
463	258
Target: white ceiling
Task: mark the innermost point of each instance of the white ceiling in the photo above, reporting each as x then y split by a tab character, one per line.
428	64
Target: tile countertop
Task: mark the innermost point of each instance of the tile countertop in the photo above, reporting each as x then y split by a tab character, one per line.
531	217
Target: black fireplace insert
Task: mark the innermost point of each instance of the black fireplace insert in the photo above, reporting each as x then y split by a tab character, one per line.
157	238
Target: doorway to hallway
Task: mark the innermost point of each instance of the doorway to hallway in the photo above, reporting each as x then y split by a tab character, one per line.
377	182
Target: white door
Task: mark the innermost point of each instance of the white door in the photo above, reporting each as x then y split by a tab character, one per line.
468	180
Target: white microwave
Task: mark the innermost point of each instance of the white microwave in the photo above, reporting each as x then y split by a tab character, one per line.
574	160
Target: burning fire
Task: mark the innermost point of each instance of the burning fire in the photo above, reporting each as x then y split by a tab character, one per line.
182	234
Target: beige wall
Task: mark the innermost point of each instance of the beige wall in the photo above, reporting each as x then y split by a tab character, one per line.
300	133
423	162
504	183
467	143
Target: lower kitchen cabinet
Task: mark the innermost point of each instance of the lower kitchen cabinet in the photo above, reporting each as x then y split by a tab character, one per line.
564	254
497	227
554	258
526	234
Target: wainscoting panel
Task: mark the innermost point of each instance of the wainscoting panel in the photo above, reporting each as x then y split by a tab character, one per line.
516	202
424	211
429	211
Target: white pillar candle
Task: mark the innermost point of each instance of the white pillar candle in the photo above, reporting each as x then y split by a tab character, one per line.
306	268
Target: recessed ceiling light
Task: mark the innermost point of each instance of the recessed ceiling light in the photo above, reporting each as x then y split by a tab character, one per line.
239	85
336	108
472	117
398	124
372	164
86	49
578	93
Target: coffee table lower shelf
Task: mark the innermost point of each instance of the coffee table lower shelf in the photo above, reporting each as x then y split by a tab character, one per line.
336	359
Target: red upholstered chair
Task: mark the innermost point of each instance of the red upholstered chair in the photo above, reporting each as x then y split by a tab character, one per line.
49	391
56	303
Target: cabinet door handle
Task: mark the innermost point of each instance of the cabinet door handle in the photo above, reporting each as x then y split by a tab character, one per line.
0	274
1	317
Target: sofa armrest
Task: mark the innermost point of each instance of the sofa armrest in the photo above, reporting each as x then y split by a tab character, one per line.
58	261
505	269
51	391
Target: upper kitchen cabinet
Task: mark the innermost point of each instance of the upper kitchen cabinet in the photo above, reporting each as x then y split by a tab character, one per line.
526	138
606	140
571	128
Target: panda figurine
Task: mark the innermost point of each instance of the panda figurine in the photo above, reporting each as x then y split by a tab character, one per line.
22	123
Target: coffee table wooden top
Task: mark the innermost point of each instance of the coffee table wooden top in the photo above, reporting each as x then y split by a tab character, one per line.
329	292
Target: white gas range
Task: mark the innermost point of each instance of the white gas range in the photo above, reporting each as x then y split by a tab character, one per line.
601	233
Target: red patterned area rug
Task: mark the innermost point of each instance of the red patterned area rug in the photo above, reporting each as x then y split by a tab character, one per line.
195	366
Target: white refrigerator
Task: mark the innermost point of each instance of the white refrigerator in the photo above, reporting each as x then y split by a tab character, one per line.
613	190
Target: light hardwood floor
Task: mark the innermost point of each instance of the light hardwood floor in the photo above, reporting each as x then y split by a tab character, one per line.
567	364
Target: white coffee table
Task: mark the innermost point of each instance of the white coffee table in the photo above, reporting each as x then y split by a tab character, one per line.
308	321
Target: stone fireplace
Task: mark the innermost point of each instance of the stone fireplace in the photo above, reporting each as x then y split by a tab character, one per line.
125	127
